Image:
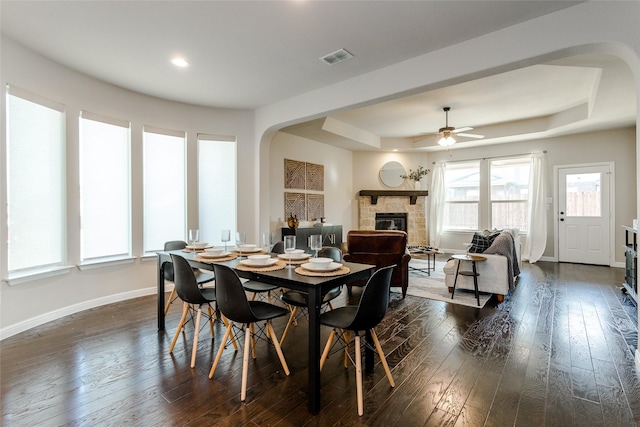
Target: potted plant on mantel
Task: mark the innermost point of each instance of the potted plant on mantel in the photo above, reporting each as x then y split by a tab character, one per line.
416	176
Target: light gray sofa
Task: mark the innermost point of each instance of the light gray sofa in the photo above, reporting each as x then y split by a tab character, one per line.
498	274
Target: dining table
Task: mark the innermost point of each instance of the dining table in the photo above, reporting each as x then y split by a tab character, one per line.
314	286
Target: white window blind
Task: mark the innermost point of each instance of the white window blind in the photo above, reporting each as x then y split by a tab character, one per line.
104	187
164	175
35	181
216	186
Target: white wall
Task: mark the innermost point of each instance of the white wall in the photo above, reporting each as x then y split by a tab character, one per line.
28	304
338	178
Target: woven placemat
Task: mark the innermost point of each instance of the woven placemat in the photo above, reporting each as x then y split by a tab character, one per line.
342	270
277	266
221	259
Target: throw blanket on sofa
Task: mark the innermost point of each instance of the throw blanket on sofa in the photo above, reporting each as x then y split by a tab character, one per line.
504	245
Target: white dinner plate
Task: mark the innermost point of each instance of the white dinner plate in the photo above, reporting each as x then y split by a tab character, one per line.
252	263
198	247
332	267
248	251
222	255
294	256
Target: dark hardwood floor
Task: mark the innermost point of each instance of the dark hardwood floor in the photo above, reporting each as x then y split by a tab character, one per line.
558	352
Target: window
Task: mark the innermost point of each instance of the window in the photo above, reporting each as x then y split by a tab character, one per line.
584	195
164	177
509	192
35	181
462	196
104	187
216	186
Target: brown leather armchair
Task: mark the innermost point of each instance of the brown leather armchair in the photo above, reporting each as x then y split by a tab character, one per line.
381	248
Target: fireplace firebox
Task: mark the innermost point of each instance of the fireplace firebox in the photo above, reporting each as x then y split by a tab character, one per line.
391	221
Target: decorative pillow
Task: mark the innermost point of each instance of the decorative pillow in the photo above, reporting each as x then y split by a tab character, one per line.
479	243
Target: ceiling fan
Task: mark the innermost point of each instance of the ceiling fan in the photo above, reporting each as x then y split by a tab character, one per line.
446	133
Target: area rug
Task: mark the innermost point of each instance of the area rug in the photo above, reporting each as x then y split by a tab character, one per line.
433	287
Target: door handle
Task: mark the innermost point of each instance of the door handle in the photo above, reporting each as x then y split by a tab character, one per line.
561	219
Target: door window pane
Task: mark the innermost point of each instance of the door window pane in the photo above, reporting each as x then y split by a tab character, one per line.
35	184
164	188
104	188
216	187
583	193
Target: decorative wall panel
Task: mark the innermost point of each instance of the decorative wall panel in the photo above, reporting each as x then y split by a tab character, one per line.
295	204
294	174
315	177
315	206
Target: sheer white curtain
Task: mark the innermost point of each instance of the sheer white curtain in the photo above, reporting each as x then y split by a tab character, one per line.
436	208
537	216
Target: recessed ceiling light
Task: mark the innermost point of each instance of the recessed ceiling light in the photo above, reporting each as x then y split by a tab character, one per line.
179	62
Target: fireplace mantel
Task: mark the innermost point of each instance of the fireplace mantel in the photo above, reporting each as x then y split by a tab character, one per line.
412	194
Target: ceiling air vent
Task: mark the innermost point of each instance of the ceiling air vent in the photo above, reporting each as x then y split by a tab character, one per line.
337	56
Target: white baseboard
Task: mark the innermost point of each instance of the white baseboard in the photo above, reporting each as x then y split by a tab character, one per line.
72	309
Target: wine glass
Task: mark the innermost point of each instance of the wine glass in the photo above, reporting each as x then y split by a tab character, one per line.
316	243
268	240
289	246
241	239
194	236
225	237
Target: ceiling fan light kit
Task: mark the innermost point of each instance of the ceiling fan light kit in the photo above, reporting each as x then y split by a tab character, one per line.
446	140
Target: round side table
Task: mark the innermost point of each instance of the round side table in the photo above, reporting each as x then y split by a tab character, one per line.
474	272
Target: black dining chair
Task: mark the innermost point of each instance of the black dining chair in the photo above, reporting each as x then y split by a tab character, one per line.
201	277
358	320
192	295
260	288
234	305
299	301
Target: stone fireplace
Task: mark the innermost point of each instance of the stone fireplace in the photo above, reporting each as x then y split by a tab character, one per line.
411	203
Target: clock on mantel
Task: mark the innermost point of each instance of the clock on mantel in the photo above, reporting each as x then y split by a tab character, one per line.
412	194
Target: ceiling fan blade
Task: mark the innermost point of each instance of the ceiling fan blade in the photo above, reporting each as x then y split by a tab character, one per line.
470	135
463	129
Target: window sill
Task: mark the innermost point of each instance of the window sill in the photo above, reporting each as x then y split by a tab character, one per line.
37	274
105	262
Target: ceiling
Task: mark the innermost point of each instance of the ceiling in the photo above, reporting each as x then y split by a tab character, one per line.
248	54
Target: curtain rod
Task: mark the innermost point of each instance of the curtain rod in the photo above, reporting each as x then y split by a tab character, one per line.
498	157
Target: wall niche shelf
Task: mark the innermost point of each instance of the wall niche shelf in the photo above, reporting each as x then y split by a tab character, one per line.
412	194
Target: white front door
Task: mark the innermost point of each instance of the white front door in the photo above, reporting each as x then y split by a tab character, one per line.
584	214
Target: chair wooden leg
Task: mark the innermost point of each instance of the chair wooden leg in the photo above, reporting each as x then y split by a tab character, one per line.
245	363
219	354
294	312
327	347
185	310
251	327
359	376
196	333
276	344
170	300
382	358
